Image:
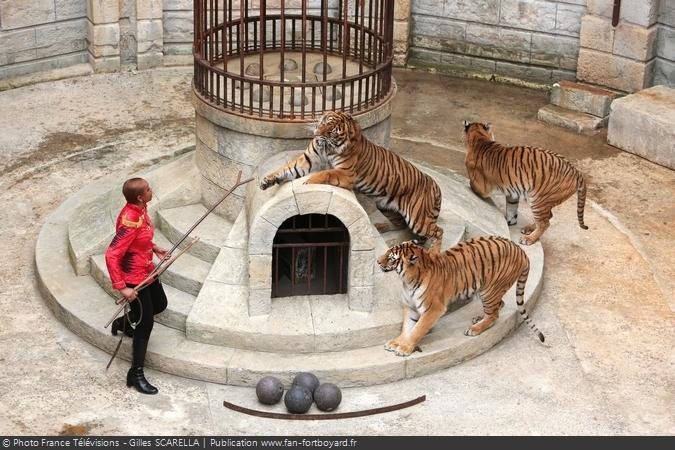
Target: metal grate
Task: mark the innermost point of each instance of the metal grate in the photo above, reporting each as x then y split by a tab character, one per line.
310	256
350	42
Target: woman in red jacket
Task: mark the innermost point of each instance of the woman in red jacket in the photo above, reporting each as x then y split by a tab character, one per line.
129	261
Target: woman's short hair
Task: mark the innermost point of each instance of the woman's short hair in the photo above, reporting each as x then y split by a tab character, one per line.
132	188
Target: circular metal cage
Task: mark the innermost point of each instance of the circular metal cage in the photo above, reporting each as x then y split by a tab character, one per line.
291	60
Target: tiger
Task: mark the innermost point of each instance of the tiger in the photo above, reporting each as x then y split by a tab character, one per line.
397	186
486	266
544	178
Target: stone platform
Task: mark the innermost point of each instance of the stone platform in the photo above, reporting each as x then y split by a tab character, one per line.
207	333
642	123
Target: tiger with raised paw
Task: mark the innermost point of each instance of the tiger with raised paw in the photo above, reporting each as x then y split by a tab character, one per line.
356	163
544	178
486	266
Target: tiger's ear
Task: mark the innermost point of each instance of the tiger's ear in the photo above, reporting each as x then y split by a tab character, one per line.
487	126
466	125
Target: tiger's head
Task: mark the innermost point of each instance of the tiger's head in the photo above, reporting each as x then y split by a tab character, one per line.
404	257
336	132
473	130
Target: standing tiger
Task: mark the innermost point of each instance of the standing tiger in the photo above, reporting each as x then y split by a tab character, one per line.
544	178
355	162
487	266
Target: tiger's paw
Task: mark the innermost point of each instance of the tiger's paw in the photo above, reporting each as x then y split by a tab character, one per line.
470	332
268	181
527	229
391	345
527	240
476	319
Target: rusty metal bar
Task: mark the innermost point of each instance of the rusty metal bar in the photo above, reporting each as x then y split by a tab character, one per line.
616	12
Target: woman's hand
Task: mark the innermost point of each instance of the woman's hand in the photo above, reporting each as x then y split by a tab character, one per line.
161	253
129	294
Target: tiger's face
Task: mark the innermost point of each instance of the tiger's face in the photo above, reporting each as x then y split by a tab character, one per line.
400	257
336	132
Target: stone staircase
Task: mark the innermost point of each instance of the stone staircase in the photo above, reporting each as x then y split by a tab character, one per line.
579	107
321	335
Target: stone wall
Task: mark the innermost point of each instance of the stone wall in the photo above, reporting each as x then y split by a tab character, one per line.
664	68
527	39
39	35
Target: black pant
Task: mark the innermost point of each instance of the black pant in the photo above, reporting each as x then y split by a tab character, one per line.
151	300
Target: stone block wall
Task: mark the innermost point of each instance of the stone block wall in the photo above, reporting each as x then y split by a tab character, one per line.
664	66
527	39
41	35
624	57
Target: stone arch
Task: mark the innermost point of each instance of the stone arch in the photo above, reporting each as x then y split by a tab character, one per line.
269	209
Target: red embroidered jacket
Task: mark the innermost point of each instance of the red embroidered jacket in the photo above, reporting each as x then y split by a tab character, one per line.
129	255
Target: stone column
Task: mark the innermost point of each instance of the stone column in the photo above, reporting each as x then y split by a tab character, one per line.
125	33
620	57
149	33
103	34
401	31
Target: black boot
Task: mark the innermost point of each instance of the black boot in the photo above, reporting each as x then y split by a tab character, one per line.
118	325
136	378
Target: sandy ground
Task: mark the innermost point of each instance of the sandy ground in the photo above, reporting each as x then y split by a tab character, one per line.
606	307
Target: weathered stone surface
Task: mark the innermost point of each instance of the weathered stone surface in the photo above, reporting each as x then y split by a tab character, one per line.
437	33
554	51
665	43
149	34
523	72
429	7
530	15
579	122
643	12
402	9
312	199
642	123
473	64
481	11
178	26
260	271
361	268
259	302
664	72
103	11
498	43
602	8
582	97
17	46
230	267
667	13
597	33
149	9
61	37
20	13
70	9
568	19
635	42
613	71
103	63
104	35
220	169
361	298
178	5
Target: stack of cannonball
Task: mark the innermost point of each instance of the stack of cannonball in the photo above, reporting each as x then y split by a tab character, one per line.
304	390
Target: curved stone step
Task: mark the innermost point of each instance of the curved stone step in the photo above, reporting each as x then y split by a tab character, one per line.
179	302
212	231
187	273
172	352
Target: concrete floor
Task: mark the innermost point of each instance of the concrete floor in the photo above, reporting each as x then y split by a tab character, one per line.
607	305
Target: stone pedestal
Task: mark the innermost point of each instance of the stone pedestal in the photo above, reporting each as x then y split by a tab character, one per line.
227	143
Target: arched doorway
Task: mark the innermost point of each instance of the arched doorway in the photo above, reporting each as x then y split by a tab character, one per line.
310	256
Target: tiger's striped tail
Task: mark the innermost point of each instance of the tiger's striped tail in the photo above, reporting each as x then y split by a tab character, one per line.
520	291
581	202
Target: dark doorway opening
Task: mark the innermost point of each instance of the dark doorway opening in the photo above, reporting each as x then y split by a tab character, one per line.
310	256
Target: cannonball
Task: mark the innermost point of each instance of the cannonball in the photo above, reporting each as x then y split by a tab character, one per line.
298	399
318	68
306	379
269	390
289	64
327	396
